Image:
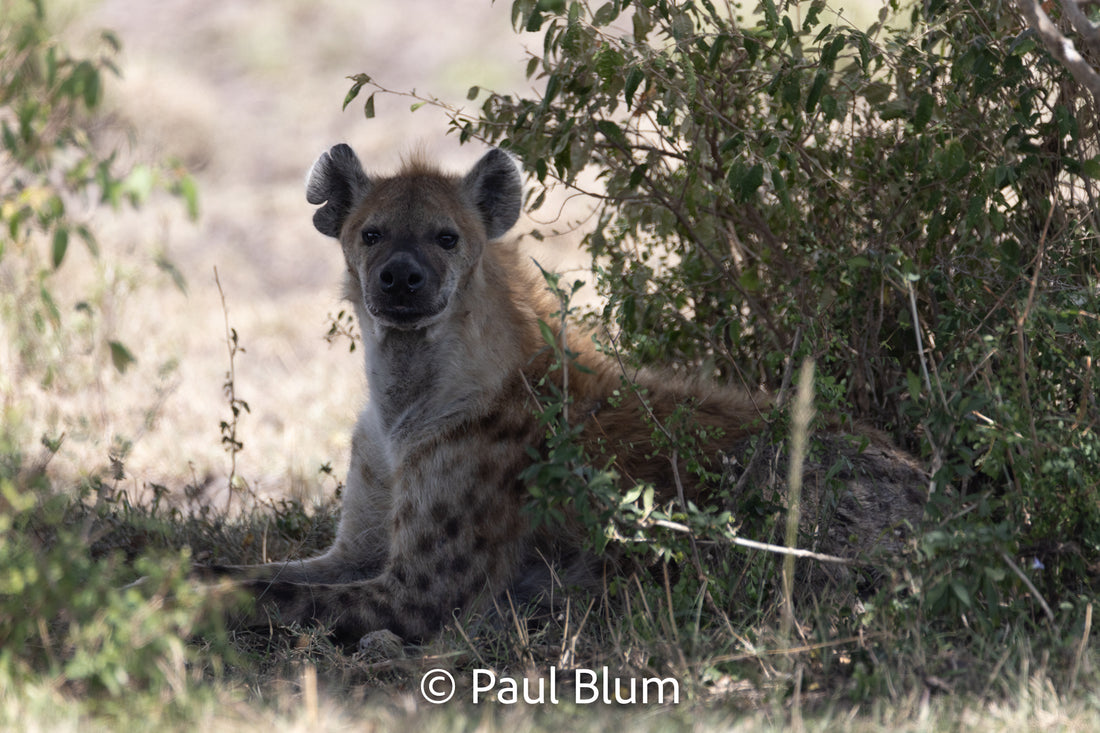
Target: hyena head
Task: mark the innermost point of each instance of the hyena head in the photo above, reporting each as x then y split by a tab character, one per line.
412	240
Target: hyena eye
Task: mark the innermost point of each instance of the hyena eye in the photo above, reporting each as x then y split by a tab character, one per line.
447	240
371	236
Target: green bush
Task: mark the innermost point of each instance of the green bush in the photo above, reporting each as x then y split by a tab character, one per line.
913	205
68	615
53	165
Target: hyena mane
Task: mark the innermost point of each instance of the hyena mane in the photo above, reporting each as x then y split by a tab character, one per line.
433	520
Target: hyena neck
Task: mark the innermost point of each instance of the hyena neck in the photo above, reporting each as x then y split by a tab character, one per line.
454	369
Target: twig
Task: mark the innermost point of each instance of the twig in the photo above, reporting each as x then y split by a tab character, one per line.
1021	344
1089	31
937	451
765	546
1060	47
920	337
1031	586
229	429
794	552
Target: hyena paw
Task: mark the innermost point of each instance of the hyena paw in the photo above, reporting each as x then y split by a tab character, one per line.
381	645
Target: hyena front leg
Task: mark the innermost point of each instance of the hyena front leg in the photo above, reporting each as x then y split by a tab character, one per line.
456	532
362	544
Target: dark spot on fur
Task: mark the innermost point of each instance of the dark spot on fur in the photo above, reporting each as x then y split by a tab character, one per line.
425	544
346	599
451	527
440	513
423	582
430	615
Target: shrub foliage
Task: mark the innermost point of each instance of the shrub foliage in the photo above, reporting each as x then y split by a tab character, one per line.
913	205
67	613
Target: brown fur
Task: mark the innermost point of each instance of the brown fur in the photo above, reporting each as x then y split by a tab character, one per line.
433	519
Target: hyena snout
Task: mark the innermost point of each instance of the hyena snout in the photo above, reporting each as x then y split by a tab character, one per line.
405	291
402	275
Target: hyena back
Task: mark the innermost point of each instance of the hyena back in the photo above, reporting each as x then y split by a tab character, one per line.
432	521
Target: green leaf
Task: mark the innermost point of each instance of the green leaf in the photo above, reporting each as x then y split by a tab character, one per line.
472	93
605	14
169	268
771	14
368	108
633	78
189	190
816	89
139	184
893	110
680	25
90	84
1091	168
829	55
60	246
548	334
537	204
750	182
121	356
926	104
642	25
534	22
961	592
612	132
360	80
52	311
609	63
912	382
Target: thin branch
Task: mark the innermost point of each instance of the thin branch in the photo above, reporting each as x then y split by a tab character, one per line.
1089	31
754	545
1030	586
1060	47
793	551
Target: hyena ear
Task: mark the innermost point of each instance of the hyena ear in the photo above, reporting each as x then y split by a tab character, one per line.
336	180
495	188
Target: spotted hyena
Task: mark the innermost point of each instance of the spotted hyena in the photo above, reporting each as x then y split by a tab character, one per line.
433	517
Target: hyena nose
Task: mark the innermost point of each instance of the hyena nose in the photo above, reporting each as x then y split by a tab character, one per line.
401	274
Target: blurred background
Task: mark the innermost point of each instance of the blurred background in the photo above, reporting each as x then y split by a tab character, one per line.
246	94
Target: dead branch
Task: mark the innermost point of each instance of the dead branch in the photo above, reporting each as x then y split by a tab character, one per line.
1062	48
